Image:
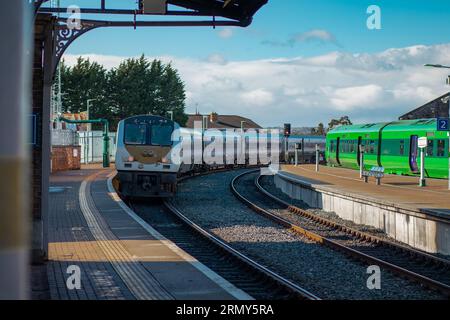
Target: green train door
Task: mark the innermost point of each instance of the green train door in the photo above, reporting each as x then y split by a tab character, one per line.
358	151
413	153
338	146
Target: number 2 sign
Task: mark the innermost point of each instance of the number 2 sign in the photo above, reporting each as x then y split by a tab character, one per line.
443	124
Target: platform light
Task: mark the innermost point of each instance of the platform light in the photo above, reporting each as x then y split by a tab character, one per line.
153	6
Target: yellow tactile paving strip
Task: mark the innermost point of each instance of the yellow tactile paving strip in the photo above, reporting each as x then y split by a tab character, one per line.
90	251
399	190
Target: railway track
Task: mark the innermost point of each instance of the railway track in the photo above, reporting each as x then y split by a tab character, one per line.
240	270
415	265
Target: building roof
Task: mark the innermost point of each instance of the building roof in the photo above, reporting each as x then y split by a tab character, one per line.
432	109
218	121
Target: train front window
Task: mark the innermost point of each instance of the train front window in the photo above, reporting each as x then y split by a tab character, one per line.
162	134
135	133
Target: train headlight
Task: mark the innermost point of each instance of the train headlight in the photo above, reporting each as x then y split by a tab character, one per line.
165	160
128	159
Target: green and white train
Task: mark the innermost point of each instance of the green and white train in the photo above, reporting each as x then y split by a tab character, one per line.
392	145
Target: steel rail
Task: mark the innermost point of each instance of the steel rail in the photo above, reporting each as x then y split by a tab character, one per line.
442	287
281	281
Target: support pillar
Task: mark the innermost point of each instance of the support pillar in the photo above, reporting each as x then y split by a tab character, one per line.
42	81
15	75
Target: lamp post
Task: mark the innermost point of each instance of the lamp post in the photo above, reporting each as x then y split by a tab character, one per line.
440	66
171	114
88	105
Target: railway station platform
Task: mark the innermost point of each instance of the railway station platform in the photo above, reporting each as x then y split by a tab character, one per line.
94	236
419	217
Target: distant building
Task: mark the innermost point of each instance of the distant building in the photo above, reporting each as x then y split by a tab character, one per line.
433	109
72	126
218	121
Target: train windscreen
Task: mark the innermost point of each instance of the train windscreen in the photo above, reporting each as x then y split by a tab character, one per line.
135	133
161	134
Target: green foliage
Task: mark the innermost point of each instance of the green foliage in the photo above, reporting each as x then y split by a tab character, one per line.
135	87
319	130
345	120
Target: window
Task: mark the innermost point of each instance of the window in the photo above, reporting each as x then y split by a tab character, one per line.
430	147
402	147
135	133
332	146
352	146
372	147
441	148
162	134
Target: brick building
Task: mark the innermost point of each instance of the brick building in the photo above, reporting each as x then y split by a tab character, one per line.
218	121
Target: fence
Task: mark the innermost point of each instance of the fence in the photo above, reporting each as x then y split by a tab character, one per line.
64	137
91	143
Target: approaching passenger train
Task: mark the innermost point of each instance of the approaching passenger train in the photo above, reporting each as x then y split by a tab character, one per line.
143	163
392	145
144	156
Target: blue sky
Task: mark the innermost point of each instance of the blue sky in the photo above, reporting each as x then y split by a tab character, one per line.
302	61
404	23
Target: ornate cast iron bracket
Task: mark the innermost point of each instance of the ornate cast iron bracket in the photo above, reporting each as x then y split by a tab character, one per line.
64	36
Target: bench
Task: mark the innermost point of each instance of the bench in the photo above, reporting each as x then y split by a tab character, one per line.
376	172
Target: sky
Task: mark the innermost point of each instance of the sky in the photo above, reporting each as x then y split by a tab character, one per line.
300	61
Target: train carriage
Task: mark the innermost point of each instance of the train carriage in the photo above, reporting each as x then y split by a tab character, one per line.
392	145
143	163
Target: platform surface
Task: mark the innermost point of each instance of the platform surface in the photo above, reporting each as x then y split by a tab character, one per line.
401	191
119	256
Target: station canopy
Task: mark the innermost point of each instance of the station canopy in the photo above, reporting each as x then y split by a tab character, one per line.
241	10
237	12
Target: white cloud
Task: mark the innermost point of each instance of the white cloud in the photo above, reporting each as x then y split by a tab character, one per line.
217	58
315	35
226	33
346	99
258	97
321	35
306	91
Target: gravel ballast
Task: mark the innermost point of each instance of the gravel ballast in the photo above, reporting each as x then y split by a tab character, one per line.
208	201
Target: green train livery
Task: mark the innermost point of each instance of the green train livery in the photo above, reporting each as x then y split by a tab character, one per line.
392	145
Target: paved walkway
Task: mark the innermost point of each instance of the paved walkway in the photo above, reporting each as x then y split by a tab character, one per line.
119	256
402	191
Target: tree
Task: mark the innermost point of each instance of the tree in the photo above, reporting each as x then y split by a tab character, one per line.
319	130
85	80
345	120
135	87
141	87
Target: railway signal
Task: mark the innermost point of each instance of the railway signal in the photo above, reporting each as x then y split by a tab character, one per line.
287	130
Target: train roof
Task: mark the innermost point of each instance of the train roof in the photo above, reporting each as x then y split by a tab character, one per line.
401	125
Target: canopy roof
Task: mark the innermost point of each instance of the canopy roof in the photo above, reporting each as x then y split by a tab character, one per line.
240	12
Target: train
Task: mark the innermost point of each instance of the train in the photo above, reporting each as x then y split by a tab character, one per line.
391	145
149	162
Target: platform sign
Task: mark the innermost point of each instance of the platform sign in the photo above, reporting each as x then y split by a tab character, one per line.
443	124
422	142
